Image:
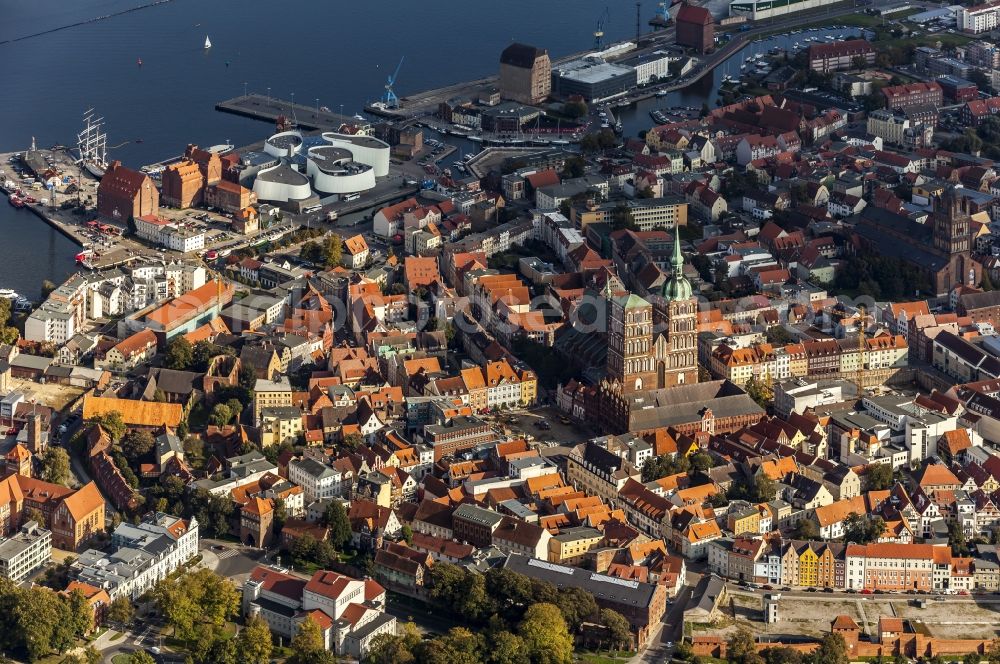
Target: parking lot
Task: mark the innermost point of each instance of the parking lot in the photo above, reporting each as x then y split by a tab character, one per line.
546	424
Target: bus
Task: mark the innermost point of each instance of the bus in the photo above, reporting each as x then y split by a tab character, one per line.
352	197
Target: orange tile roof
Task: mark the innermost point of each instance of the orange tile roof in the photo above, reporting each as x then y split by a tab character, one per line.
10	491
321	619
844	622
356	245
84	502
136	343
536	484
134	413
473	378
837	511
893	550
181	309
18	453
936	474
701	531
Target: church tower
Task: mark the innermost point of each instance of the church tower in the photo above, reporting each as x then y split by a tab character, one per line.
676	316
630	341
952	227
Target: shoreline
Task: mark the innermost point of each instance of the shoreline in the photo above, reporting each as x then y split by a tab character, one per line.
54	223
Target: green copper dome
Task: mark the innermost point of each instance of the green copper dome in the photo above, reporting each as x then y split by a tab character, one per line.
677	287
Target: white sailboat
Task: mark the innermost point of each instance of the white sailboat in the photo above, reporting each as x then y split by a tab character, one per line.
208	42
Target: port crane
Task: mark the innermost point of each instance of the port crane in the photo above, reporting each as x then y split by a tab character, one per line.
599	32
390	99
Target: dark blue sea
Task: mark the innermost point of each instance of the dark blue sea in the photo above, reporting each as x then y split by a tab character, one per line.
325	52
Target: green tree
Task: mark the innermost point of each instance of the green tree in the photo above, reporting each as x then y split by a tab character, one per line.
862	529
406	533
577	606
701	461
832	650
253	644
247	378
956	539
137	443
619	631
220	415
663	466
180	354
335	518
141	657
972	658
459	646
574	167
545	635
55	465
683	651
806	530
112	423
307	645
353	441
235	409
760	391
879	477
120	611
80	614
782	655
740	645
575	109
334	251
196	600
507	648
764	488
44	621
47	288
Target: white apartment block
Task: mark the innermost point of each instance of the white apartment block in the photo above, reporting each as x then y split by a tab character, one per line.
981	18
143	555
317	480
25	552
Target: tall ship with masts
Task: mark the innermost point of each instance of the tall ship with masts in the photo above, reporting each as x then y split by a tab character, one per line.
92	144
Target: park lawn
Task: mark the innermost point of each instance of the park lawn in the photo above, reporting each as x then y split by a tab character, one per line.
96	635
604	657
120	658
853	20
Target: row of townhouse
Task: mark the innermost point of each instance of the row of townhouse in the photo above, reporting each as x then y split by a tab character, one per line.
808	359
876	567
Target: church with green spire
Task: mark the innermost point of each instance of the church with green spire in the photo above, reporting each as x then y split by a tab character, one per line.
644	356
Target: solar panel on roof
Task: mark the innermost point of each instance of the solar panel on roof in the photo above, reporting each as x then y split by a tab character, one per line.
534	562
614	579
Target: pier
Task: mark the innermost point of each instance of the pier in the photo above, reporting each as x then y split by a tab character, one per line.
263	107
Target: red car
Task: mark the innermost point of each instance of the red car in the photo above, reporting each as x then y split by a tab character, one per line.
866	592
963	592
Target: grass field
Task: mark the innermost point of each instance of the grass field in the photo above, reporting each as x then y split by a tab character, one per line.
604	657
